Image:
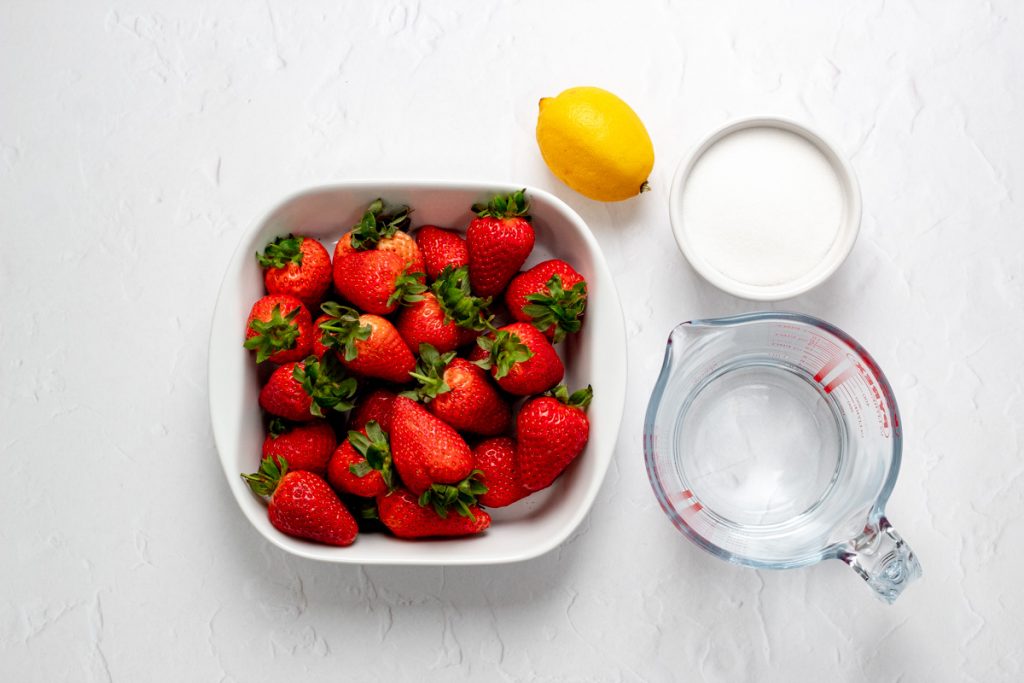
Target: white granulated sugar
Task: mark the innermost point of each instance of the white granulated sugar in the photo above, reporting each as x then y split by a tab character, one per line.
763	206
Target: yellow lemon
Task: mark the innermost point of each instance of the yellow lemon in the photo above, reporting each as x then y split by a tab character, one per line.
595	143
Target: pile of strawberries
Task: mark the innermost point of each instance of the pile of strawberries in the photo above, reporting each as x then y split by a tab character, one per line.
424	346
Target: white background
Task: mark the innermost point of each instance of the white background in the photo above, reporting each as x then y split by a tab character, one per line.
139	140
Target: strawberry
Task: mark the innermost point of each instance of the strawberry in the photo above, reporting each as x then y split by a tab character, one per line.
499	240
424	322
367	344
496	460
552	431
362	464
318	348
374	406
441	249
402	514
521	359
299	266
376	281
301	391
382	230
425	449
304	447
279	329
448	316
551	295
302	504
459	393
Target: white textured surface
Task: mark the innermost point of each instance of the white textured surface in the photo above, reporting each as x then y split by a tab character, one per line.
137	140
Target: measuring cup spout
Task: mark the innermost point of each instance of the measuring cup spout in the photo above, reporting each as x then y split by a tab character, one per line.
882	558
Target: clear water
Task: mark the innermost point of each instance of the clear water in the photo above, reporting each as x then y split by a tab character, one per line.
759	444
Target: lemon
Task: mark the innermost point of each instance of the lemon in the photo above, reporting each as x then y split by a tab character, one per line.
595	143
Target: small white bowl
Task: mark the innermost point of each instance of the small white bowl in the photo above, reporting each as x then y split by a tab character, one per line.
596	356
837	253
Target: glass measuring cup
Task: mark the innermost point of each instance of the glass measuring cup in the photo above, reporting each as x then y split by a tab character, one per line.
773	440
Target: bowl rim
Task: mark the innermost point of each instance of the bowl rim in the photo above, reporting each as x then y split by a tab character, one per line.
313	551
848	230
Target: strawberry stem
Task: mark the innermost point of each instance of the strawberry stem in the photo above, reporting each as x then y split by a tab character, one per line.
505	206
459	496
504	350
429	373
326	383
409	288
456	299
264	481
579	399
558	307
276	427
377	224
374	447
280	333
282	251
343	329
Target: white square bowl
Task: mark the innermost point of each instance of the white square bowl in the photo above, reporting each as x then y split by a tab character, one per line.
596	356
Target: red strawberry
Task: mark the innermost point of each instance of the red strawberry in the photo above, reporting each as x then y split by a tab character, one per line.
319	348
521	359
477	353
425	449
299	266
367	344
441	248
499	240
551	295
301	391
552	431
376	281
406	518
374	406
459	393
424	323
279	329
304	447
448	317
382	231
302	504
496	460
362	464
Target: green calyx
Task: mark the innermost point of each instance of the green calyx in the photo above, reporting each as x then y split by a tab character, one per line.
277	334
409	289
505	206
375	448
342	329
429	373
281	252
276	427
504	350
326	383
366	510
377	224
456	299
264	481
460	496
579	399
559	307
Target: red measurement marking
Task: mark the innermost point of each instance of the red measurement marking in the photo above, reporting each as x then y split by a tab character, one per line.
682	496
697	507
840	378
828	367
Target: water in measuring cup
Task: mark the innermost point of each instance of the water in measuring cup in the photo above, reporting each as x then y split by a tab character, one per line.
762	444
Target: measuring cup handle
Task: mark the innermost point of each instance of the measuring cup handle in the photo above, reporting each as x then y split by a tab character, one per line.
883	559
